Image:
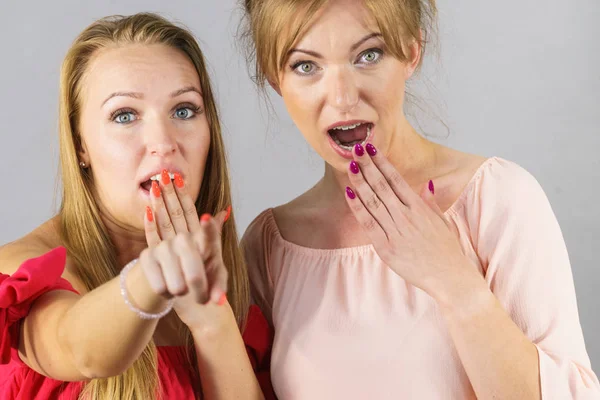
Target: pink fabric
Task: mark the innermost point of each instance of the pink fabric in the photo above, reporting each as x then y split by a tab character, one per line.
40	275
347	327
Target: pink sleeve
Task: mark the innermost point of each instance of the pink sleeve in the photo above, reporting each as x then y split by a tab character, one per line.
521	247
256	243
18	291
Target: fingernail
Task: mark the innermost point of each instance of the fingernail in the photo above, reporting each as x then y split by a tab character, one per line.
354	167
359	150
178	180
228	214
350	193
371	149
155	189
222	300
431	188
205	217
149	214
164	176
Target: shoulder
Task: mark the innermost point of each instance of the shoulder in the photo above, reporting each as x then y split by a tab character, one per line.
30	246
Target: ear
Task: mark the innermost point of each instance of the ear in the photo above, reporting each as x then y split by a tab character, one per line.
82	153
275	87
414	50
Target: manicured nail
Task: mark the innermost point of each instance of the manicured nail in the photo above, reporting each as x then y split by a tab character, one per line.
222	299
350	193
205	217
431	188
149	214
178	180
371	149
359	150
155	189
354	167
228	214
164	176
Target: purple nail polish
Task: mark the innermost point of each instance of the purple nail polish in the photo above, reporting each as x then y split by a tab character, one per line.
359	150
354	167
431	188
350	193
371	149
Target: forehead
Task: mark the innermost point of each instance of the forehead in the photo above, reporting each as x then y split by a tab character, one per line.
153	70
338	22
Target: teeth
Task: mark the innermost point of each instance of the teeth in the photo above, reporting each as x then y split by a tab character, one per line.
346	127
349	148
157	177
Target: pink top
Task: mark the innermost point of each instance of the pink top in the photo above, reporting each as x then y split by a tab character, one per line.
40	275
347	327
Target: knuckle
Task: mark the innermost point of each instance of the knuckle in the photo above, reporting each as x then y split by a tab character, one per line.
177	212
381	185
190	211
373	202
370	225
396	179
166	227
197	279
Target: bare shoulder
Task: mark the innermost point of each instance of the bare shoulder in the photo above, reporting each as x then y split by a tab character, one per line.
34	244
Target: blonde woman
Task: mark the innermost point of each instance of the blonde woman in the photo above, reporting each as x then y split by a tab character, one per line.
141	155
410	270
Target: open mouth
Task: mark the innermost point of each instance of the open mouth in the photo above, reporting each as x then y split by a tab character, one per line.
147	185
346	137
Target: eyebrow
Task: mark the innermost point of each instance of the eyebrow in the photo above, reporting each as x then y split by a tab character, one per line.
136	95
352	48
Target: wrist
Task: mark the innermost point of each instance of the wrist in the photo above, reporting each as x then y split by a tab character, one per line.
219	327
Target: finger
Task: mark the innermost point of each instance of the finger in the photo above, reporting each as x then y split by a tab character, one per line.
153	273
400	187
187	204
192	267
217	280
212	235
428	196
150	228
364	218
380	186
171	270
166	229
370	200
172	203
222	217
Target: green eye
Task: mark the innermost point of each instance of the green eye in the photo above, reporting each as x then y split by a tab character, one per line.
306	68
371	56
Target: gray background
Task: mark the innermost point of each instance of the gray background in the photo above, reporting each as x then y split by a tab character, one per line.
518	79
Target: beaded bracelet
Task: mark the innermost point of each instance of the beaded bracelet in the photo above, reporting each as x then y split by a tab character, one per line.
140	313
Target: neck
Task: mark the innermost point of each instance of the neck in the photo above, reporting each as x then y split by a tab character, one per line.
412	155
128	241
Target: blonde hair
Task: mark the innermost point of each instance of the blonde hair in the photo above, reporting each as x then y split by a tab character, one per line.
272	27
82	230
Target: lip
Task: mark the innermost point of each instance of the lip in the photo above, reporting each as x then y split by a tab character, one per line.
347	154
169	167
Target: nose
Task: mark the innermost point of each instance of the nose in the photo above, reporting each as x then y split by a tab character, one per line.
343	91
160	138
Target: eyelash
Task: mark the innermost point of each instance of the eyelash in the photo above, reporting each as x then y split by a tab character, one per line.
195	109
294	66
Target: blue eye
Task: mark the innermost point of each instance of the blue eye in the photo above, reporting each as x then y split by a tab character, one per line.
124	117
184	113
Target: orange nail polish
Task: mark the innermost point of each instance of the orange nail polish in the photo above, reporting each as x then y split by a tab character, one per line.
205	217
164	176
228	214
149	214
223	299
178	180
155	189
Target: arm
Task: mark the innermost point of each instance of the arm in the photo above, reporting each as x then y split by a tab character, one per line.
223	363
525	339
70	337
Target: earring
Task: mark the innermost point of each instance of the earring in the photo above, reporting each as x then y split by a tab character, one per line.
82	164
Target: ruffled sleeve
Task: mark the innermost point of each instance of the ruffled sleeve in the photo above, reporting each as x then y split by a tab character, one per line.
527	267
18	291
258	338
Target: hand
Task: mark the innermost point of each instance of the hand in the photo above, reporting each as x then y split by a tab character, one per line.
174	223
409	231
